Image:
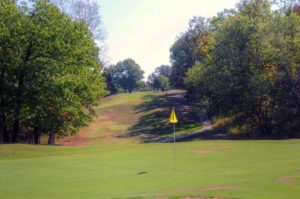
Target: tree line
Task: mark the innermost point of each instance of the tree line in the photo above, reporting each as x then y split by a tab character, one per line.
128	76
49	72
245	64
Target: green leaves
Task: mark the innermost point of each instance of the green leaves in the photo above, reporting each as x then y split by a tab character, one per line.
49	64
125	74
251	70
160	78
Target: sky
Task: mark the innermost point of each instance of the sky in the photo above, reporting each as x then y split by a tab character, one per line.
144	30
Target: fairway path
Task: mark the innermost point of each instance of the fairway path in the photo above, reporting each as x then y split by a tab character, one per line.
141	117
115	116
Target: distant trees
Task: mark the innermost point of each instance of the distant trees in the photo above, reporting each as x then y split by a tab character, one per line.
249	67
111	83
49	73
125	74
186	49
153	82
160	78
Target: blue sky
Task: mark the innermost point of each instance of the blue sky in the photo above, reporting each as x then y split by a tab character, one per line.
145	29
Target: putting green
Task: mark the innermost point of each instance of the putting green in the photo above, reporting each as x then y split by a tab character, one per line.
230	169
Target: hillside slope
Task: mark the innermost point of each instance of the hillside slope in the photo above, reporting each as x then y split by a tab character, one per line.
137	117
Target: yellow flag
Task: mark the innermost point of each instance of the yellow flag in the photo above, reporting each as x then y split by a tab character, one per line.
173	118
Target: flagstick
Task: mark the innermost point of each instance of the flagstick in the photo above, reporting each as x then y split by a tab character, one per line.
174	147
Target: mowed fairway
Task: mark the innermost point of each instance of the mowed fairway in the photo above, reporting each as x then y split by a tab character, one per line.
116	163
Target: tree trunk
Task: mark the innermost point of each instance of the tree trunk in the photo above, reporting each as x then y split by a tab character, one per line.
36	135
19	102
16	122
30	138
51	140
1	129
19	94
4	132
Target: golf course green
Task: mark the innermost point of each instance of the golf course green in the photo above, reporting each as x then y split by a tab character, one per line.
116	161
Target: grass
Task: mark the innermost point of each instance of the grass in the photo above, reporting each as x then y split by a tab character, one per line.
147	170
153	117
297	180
140	116
126	168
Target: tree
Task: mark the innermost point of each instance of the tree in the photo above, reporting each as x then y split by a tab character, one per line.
160	78
50	70
84	10
164	70
111	83
127	74
153	82
184	52
252	72
87	11
164	83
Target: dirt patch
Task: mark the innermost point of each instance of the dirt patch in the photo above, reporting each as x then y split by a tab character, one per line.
82	138
202	189
204	151
109	115
287	179
213	150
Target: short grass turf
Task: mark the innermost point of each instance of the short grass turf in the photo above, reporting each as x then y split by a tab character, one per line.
227	169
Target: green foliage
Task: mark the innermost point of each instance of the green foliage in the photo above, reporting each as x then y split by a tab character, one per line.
163	70
125	74
111	84
252	68
160	78
186	49
50	73
164	83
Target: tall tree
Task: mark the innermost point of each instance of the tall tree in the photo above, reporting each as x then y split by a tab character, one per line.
164	70
184	52
160	78
253	69
127	74
111	83
84	10
50	70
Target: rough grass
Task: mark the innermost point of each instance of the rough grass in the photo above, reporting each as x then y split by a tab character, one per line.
138	117
114	163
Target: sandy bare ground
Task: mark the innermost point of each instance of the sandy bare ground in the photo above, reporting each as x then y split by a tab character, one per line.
287	179
87	135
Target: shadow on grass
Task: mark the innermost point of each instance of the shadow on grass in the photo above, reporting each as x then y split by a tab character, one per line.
154	124
142	173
